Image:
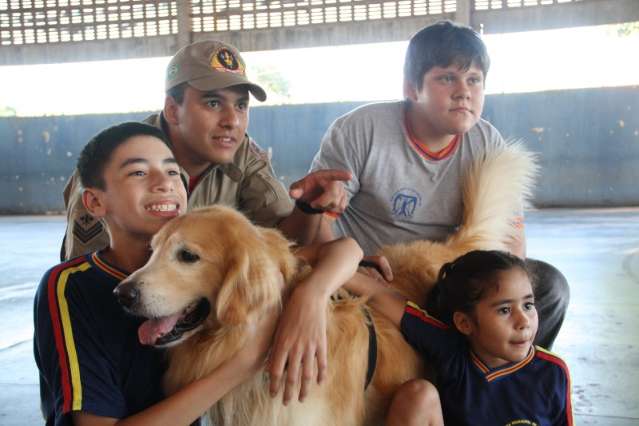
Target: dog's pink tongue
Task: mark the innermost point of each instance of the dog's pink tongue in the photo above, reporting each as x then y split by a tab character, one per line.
151	330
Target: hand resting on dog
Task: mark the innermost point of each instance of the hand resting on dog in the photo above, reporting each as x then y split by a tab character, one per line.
299	347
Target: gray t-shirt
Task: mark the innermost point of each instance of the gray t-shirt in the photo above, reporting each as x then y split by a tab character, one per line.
396	193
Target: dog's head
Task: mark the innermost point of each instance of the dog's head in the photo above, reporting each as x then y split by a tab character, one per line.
209	268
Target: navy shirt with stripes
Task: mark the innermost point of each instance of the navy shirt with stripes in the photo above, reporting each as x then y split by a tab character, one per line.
534	391
86	347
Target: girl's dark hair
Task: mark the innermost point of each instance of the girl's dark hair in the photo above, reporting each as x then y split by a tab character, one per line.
97	152
462	283
442	44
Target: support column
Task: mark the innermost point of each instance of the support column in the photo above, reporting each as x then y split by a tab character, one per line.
464	12
184	35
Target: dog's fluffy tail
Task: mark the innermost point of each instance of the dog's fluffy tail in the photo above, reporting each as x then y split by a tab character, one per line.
496	190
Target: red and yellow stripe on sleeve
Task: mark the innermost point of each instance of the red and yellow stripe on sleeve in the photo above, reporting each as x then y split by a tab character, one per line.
549	356
418	312
63	332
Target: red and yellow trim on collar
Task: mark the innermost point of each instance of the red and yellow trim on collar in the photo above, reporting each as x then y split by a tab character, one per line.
490	376
116	273
416	311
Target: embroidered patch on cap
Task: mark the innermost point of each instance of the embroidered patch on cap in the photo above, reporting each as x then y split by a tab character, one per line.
172	71
225	60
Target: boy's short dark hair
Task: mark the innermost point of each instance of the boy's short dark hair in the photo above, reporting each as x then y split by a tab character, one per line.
97	152
442	44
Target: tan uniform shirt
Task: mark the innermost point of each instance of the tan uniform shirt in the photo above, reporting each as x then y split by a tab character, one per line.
247	184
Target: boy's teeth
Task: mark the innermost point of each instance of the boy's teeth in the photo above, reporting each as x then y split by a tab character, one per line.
162	207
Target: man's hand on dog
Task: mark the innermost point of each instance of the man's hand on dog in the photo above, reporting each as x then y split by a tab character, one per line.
323	190
299	344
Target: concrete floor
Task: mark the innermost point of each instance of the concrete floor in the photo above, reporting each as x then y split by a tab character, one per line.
597	250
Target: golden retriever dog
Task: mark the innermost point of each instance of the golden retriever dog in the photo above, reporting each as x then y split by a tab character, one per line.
213	273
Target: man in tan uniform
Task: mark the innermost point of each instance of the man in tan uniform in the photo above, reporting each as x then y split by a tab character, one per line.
205	117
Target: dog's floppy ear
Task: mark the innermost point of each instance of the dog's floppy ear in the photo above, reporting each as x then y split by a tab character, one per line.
252	280
230	306
279	250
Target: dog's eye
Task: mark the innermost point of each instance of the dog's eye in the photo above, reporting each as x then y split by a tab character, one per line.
186	256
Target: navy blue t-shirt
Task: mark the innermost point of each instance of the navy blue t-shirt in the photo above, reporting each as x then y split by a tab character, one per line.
534	391
86	347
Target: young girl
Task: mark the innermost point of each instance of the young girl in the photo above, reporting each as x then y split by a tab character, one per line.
488	371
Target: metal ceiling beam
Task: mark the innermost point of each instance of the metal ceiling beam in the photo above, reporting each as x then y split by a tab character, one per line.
583	13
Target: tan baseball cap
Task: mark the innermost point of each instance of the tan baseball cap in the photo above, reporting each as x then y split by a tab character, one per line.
210	65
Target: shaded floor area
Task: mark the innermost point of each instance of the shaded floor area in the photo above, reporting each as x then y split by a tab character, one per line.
597	250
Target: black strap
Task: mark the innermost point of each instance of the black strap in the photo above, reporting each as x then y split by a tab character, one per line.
369	264
372	348
306	207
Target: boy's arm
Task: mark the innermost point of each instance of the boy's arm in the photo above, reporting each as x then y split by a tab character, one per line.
300	339
381	298
190	402
338	151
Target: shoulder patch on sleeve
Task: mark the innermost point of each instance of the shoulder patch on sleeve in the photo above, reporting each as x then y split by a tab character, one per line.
86	227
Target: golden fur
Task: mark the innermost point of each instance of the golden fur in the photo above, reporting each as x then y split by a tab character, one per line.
240	271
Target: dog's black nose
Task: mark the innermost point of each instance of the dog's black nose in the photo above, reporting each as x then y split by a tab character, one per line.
127	294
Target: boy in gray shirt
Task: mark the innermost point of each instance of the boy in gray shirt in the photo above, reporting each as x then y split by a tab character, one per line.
398	191
408	158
